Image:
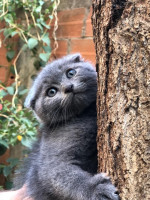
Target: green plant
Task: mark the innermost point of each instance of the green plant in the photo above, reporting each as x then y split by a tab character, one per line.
28	21
17	125
32	26
7	170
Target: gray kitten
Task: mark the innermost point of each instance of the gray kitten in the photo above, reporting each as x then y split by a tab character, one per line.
63	162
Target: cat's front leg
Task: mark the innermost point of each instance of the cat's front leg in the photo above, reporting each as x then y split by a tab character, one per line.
103	189
71	182
66	182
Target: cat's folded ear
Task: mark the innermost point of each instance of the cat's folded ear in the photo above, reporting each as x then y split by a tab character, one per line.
30	99
75	58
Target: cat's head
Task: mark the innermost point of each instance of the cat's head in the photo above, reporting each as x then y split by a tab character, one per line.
63	89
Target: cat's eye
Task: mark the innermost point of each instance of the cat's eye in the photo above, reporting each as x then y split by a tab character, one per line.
70	73
51	92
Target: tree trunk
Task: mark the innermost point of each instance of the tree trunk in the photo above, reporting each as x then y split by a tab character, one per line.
121	36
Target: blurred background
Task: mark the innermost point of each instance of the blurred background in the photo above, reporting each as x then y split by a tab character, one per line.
33	33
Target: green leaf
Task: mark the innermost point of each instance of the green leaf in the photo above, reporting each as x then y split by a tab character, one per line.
46	11
51	16
45	25
25	120
12	69
7	171
32	43
3	149
24	47
31	133
46	39
38	9
41	2
14	33
22	92
9	185
13	162
47	49
27	142
9	18
13	84
39	25
44	56
10	90
2	142
10	55
3	93
7	32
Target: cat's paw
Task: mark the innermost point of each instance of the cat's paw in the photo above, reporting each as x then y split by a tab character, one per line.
104	189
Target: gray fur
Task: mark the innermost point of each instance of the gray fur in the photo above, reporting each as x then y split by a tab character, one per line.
63	162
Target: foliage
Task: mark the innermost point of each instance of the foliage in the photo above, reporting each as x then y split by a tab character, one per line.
17	125
7	170
28	21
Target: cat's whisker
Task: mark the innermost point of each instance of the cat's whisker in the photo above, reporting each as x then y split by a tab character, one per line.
65	106
69	112
54	117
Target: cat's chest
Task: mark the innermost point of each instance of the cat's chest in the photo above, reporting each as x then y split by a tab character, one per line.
68	141
61	141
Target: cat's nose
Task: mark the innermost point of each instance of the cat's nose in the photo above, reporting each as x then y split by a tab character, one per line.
69	88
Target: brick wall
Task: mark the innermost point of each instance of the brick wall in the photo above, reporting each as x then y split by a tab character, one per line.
3	60
74	33
5	74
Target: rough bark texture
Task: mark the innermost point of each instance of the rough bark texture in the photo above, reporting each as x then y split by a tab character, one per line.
121	36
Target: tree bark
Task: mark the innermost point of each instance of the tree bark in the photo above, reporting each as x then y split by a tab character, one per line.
121	37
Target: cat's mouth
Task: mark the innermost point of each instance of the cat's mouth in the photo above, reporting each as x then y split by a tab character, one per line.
67	99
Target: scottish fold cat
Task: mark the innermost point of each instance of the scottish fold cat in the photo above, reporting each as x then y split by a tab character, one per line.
63	162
